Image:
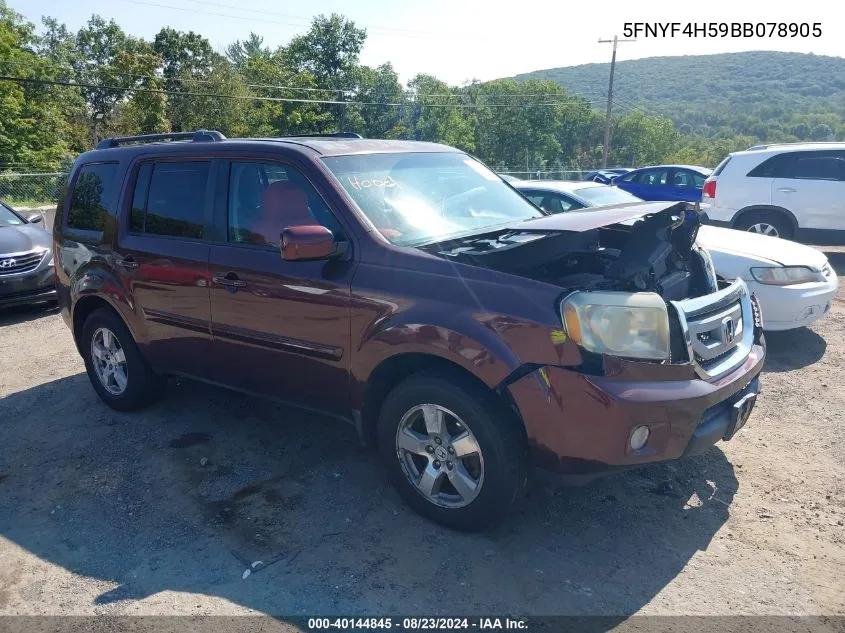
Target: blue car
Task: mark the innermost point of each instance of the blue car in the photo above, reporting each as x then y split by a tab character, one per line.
665	182
604	176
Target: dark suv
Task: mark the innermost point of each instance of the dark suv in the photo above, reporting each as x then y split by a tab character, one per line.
406	288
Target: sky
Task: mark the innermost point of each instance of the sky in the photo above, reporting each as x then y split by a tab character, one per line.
462	40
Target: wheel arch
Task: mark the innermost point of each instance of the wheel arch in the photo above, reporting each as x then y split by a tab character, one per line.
391	371
87	305
766	208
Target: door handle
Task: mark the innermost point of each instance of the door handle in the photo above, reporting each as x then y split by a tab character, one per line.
127	263
230	280
786	189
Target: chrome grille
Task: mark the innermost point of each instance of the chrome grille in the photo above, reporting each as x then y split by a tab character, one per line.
827	271
718	329
20	262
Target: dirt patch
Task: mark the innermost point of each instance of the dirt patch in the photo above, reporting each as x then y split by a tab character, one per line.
105	517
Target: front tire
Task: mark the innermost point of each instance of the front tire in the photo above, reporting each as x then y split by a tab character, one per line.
455	454
118	372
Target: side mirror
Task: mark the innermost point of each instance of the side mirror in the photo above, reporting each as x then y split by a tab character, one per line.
307	242
35	219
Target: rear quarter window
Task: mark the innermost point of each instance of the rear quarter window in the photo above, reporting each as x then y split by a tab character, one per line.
721	166
94	198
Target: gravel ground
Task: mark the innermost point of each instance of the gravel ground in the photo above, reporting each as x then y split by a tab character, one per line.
163	511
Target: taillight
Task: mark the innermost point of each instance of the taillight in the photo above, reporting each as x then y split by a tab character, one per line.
710	189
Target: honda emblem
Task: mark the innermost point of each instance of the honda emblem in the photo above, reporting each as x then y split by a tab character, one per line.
728	331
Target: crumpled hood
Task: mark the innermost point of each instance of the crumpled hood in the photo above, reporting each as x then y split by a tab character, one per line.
762	247
23	238
592	218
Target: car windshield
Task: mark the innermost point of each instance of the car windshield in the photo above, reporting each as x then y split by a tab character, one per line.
414	198
600	196
9	218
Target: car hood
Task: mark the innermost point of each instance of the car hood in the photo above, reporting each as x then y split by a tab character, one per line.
592	218
23	238
731	242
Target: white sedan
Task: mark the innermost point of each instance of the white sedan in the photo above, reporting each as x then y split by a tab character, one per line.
794	283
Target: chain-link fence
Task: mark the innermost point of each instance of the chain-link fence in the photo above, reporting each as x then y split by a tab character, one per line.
33	190
546	174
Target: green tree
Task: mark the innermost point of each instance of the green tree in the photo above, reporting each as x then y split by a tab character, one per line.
220	101
32	128
436	114
110	64
329	51
182	55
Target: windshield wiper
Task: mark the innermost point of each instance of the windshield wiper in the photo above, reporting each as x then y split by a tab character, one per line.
459	236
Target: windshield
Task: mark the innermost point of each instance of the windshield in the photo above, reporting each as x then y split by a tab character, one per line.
8	218
414	198
600	196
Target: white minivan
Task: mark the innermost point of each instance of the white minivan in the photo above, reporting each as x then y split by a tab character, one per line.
794	191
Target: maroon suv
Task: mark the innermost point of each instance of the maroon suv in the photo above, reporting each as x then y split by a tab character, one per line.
406	288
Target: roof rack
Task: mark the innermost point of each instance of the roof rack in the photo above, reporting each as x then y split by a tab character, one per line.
200	136
768	145
328	135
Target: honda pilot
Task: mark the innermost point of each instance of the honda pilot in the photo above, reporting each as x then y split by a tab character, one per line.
406	288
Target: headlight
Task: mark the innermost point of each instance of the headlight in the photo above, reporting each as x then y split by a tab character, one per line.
633	325
786	275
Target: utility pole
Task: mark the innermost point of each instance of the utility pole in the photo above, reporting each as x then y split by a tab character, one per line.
615	41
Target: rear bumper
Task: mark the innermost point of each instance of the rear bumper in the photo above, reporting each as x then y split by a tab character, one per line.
582	425
40	285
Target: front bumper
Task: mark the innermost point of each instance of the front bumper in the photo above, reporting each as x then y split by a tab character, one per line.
581	425
33	287
788	307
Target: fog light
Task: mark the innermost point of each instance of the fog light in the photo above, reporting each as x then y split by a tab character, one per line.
639	436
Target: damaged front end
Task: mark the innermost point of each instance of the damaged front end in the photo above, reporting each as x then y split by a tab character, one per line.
634	284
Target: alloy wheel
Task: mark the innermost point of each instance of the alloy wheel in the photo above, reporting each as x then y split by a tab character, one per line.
109	361
764	228
440	456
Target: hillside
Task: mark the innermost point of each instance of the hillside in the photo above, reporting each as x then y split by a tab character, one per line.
768	95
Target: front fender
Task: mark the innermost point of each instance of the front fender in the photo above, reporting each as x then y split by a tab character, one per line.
469	345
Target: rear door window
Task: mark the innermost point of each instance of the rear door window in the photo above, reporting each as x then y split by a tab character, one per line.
818	165
170	199
93	200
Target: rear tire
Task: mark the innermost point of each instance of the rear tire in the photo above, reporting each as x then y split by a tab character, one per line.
480	447
118	372
769	223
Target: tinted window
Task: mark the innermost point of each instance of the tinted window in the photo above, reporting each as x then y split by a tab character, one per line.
169	199
139	198
721	166
536	198
93	199
264	198
819	165
652	177
683	178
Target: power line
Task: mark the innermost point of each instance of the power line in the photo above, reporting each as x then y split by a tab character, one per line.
54	82
577	98
261	20
300	17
